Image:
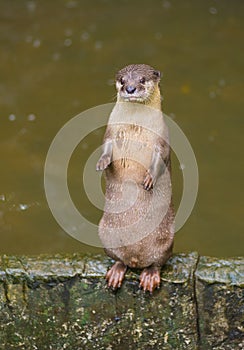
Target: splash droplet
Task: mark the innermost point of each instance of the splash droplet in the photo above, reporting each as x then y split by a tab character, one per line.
12	117
67	42
31	117
166	4
213	10
2	197
23	206
85	36
36	43
31	6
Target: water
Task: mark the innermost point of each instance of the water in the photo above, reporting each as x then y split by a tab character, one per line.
59	58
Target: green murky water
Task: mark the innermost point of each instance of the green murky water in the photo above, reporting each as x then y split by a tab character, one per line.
58	58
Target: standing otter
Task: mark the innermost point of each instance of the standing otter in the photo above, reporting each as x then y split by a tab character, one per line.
137	227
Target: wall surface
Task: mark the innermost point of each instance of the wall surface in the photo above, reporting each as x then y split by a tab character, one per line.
62	302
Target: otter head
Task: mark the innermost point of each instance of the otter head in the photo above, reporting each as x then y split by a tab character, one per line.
137	83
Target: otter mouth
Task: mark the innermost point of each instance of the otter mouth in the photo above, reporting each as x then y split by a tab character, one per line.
133	99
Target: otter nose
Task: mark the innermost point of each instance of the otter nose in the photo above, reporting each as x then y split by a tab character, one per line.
130	89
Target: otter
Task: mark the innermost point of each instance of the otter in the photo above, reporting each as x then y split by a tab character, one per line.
137	226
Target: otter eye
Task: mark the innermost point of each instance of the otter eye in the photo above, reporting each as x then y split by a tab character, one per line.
122	81
142	80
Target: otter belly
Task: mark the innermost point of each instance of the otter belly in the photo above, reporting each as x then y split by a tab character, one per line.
136	224
153	249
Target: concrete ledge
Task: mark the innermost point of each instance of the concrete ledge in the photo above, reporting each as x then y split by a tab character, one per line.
61	302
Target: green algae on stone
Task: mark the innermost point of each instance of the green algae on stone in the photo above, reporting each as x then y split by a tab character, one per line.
4	317
46	268
92	314
96	266
180	268
62	302
228	271
164	320
13	269
2	270
220	300
49	310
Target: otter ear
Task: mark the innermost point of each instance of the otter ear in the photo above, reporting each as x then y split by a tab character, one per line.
157	74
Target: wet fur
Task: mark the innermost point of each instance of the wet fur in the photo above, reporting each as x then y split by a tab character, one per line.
124	172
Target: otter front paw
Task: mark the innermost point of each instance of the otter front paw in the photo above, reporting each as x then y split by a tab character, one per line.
148	182
103	162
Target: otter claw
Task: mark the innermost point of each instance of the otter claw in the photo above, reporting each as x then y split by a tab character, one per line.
116	275
148	182
103	163
150	279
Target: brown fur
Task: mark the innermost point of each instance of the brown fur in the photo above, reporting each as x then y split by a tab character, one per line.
134	160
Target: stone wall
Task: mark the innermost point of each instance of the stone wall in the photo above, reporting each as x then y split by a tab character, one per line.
62	302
